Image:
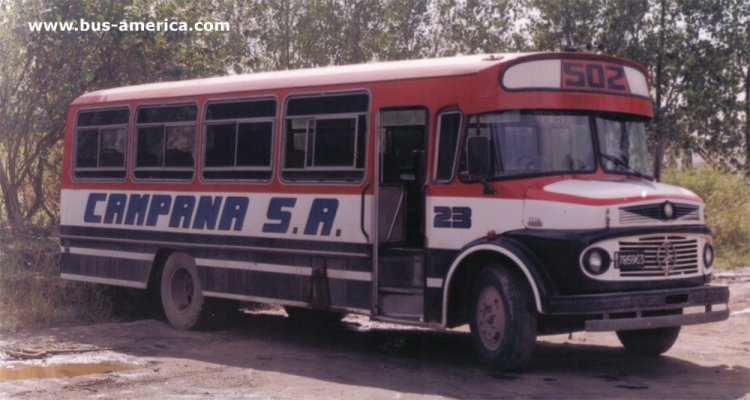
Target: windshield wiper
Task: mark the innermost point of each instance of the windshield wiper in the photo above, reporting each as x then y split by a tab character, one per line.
623	164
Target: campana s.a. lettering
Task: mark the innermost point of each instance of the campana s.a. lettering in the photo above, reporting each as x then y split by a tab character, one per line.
183	211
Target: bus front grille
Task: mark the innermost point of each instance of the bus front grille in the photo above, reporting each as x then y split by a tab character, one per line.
671	256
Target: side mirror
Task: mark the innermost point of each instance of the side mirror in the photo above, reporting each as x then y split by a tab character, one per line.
478	156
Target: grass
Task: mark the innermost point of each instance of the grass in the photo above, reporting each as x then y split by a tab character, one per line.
32	294
727	198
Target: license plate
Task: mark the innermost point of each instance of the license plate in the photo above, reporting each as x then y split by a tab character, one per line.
629	260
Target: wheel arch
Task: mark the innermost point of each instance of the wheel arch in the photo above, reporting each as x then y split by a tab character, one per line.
154	274
471	260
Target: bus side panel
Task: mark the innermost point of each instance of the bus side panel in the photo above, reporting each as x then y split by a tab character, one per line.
350	283
285	279
310	251
438	263
106	262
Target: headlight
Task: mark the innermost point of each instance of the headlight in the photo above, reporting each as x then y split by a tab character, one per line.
708	256
596	261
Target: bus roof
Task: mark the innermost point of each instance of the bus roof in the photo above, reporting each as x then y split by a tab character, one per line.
323	76
333	75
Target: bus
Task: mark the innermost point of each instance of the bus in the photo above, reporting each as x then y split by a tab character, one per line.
510	192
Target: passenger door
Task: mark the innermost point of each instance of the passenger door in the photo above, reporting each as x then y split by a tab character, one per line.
401	178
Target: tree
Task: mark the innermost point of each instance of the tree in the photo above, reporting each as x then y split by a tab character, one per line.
729	25
469	27
557	24
42	72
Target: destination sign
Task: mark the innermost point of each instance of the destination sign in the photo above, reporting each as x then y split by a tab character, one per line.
582	75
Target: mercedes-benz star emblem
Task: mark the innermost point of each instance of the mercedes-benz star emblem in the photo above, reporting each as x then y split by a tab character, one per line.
666	257
668	210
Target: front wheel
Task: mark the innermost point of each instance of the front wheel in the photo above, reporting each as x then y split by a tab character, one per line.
502	319
649	342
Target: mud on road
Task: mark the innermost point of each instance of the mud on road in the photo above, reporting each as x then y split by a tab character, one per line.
267	356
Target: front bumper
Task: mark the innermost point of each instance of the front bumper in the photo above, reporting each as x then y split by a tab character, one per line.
645	309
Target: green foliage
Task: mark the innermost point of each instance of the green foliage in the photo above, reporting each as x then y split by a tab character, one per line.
727	198
42	72
562	23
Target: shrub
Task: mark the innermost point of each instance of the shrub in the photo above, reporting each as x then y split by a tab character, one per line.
31	291
727	198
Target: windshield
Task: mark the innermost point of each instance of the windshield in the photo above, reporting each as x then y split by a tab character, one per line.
523	143
623	146
549	142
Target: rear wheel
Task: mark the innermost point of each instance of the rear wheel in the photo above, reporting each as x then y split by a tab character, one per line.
649	342
182	295
502	319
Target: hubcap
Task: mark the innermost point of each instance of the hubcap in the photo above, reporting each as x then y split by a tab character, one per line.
490	318
182	289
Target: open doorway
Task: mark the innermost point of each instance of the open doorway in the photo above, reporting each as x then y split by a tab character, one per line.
402	176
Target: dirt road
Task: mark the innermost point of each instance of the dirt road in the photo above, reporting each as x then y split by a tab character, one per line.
267	356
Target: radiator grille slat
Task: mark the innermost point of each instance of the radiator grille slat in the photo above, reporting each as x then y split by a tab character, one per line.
633	215
685	252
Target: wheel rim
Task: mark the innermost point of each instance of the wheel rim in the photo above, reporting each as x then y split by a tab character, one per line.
182	289
490	318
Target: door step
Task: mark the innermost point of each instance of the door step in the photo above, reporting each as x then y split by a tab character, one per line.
402	268
401	285
401	302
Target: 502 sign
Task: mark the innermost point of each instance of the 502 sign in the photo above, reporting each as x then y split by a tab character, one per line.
583	75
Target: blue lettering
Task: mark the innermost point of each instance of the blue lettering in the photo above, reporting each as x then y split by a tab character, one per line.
276	213
442	217
159	206
461	217
89	215
115	207
137	209
455	217
235	209
182	210
207	212
323	211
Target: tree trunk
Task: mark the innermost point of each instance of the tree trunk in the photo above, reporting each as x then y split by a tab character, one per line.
747	118
659	129
13	213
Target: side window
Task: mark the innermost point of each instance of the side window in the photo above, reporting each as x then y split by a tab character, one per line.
165	142
238	140
449	126
101	143
325	138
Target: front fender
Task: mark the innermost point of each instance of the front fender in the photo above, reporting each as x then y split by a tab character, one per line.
540	284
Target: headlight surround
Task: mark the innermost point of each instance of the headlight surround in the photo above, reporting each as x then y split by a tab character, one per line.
708	256
596	261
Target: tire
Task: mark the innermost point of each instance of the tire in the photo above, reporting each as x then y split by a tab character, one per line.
310	316
502	319
181	292
649	342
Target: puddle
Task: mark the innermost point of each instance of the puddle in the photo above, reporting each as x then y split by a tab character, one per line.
59	370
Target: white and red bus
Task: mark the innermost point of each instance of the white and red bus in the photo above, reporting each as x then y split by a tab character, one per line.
511	192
